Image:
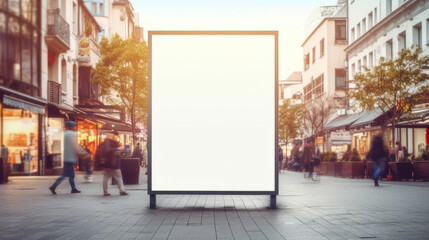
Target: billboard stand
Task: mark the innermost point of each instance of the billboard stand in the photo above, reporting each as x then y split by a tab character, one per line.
152	201
273	201
213	105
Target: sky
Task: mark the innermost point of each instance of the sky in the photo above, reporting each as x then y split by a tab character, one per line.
286	16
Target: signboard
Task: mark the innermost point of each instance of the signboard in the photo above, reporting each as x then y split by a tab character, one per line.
319	141
213	112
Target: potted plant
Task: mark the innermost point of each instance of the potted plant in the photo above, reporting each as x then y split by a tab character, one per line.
351	165
402	169
327	164
421	167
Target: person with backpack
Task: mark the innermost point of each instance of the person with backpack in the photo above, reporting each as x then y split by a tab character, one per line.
107	157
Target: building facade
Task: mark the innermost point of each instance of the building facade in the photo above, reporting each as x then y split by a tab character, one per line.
324	76
381	29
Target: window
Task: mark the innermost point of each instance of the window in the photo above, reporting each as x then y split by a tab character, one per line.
389	49
308	90
74	80
353	71
63	76
402	41
318	85
314	55
364	61
101	10
359	64
417	34
74	18
340	30
352	34
322	47
94	8
306	61
388	7
375	16
370	23
370	60
427	31
363	26
340	78
358	30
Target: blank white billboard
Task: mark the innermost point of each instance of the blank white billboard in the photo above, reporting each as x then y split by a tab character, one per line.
212	112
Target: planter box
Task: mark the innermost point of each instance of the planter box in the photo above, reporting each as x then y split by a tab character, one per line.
338	169
352	169
326	168
421	170
369	169
401	170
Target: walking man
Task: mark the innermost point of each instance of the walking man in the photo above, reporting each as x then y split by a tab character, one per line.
72	150
108	155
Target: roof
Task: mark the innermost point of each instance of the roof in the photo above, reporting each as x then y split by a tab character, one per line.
343	121
295	77
367	117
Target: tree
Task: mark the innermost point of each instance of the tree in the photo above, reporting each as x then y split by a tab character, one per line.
394	86
291	117
317	115
122	76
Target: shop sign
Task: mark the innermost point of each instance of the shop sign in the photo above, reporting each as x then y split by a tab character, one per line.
340	136
14	102
84	50
319	141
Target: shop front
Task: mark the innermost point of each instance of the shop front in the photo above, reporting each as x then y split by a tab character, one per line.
20	135
54	145
87	137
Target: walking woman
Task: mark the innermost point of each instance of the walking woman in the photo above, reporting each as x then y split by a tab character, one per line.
378	155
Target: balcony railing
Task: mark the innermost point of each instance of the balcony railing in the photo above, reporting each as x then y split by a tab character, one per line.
58	33
54	94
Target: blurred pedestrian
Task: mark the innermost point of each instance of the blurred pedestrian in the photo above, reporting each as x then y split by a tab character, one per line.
280	158
108	154
72	150
87	163
307	154
295	156
378	155
137	153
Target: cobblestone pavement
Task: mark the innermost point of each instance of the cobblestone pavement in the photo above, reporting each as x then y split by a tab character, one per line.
334	208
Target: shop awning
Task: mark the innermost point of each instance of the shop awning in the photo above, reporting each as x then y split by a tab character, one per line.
119	127
18	103
367	118
342	121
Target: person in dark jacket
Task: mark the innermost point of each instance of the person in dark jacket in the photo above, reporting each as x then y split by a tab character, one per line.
306	158
137	153
378	155
108	157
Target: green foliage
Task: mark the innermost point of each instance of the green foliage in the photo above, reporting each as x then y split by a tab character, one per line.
403	159
354	156
121	75
394	85
425	155
291	118
346	156
417	159
329	157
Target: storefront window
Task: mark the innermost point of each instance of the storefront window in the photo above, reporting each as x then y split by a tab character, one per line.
55	146
20	137
87	135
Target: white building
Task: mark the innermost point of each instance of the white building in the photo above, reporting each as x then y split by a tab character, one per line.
324	76
114	17
291	88
324	55
381	29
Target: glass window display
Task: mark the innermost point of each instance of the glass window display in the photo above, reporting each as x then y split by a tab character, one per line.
54	144
20	136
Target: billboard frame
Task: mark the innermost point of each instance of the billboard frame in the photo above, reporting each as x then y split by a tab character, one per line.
153	193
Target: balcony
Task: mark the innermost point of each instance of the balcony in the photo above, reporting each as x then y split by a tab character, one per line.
58	34
54	94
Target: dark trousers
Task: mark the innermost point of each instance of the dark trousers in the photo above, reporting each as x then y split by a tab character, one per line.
68	171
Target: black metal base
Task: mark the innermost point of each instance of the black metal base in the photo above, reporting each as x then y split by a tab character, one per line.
273	201
152	203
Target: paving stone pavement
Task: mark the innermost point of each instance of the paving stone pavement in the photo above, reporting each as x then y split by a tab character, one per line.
334	208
